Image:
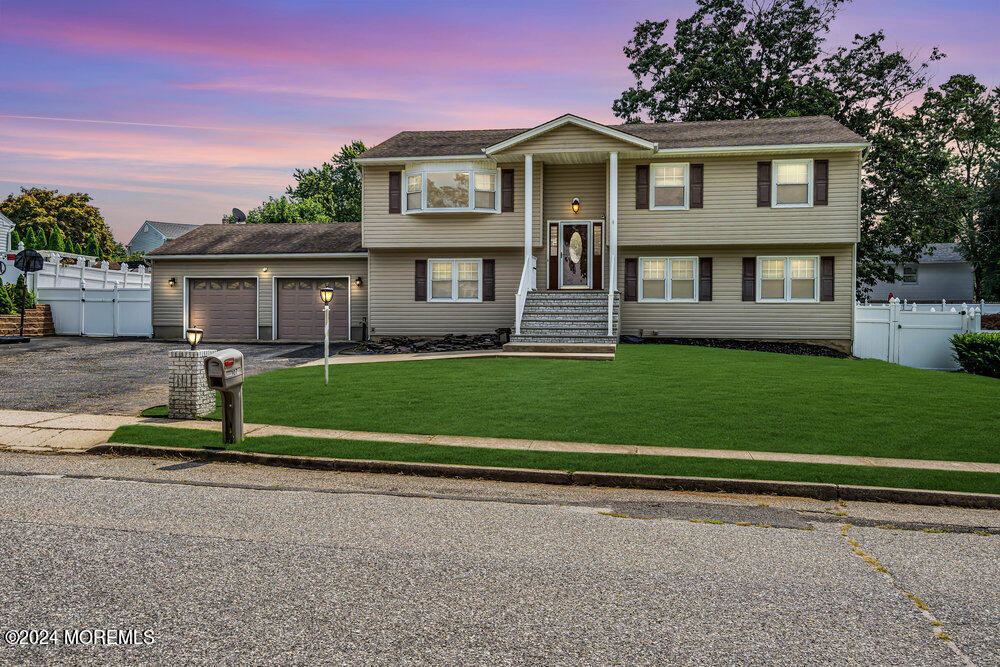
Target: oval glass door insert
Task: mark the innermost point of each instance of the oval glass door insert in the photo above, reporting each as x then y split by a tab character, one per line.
575	248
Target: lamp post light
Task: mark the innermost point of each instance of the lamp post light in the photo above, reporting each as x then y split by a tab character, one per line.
194	335
326	295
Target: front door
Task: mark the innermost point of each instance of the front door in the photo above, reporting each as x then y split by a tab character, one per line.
574	255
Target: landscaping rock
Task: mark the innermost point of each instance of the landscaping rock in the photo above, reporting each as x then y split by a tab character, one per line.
804	349
448	343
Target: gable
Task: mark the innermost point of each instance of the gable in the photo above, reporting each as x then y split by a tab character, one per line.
569	137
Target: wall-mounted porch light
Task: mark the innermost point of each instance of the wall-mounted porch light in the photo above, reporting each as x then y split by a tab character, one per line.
264	270
358	282
172	282
194	335
576	205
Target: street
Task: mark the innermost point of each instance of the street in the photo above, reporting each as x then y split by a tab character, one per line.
239	564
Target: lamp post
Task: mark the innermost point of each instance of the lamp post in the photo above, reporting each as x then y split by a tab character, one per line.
326	294
194	335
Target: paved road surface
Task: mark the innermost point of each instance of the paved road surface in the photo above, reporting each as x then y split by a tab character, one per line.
109	376
238	564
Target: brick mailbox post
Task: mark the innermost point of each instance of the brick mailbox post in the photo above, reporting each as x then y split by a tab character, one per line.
190	396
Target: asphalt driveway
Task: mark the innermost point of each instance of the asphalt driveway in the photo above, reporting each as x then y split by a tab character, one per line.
110	376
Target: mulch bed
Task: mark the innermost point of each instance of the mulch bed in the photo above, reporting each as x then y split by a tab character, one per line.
804	349
991	321
448	343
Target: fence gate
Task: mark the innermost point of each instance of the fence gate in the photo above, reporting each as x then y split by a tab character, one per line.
118	311
911	337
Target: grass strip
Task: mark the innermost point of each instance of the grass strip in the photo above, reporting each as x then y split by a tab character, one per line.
906	478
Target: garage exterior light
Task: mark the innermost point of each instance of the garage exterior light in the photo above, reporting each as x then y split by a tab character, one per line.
358	282
172	282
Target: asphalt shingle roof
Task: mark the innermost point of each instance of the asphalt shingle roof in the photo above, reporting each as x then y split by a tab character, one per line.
171	229
266	239
699	134
941	253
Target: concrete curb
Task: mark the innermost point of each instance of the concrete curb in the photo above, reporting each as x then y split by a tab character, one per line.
818	491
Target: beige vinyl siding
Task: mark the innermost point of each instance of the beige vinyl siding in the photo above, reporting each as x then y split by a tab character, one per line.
168	302
394	312
727	315
563	182
382	229
570	137
731	214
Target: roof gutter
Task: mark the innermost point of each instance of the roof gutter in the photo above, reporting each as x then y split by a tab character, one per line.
260	255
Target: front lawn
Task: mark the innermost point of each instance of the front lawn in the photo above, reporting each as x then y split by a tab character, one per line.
974	482
663	395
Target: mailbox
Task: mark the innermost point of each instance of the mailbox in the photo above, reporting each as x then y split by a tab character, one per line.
224	373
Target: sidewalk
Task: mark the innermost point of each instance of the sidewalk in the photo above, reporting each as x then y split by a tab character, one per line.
62	432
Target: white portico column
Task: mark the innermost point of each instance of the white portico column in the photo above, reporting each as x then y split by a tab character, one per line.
528	201
613	223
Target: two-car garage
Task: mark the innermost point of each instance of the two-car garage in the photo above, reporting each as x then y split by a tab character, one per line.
261	282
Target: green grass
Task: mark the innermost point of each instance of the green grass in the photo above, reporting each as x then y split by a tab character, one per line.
653	395
621	463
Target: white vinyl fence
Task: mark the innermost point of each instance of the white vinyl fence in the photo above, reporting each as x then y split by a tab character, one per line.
915	336
117	311
84	268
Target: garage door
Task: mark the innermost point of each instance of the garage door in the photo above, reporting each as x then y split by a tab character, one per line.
300	309
226	308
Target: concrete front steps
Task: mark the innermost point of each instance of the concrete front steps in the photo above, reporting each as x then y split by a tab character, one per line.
37	322
584	351
567	324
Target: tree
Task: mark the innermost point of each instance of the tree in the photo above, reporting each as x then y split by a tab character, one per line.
328	193
741	59
335	185
44	210
30	241
93	249
15	240
285	210
981	243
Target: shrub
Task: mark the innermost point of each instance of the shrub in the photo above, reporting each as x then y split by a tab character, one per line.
978	353
14	293
6	305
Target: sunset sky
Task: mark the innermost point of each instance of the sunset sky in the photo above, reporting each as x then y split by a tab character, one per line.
180	110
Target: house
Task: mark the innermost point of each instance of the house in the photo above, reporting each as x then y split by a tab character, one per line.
6	227
153	234
939	273
728	229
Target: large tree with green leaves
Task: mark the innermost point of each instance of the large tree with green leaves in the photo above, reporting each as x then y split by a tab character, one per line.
44	211
328	193
741	59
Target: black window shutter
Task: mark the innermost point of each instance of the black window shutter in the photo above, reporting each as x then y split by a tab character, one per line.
826	279
631	279
698	187
749	278
763	184
705	279
821	182
395	191
506	190
489	280
642	186
420	280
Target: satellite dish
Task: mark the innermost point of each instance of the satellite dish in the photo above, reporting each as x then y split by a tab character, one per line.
239	216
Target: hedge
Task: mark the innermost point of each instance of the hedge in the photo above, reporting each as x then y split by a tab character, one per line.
978	353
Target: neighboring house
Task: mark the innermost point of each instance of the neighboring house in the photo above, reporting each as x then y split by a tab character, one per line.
728	229
153	234
6	227
939	273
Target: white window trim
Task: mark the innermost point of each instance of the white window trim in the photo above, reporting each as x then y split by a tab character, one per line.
788	279
652	186
470	208
668	288
774	183
454	280
916	274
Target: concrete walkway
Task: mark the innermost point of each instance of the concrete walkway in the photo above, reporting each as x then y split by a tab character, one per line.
22	430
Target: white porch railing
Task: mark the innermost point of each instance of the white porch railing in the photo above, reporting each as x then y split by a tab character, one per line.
529	281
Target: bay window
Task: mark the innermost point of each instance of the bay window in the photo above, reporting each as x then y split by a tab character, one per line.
455	279
669	186
668	278
463	189
792	183
788	278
